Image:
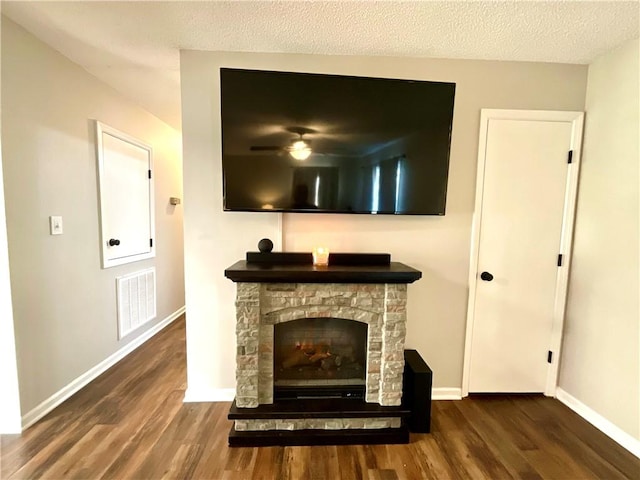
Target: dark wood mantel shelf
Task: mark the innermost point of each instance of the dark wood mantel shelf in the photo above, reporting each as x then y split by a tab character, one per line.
393	272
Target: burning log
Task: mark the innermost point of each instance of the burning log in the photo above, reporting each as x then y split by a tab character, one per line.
307	355
346	352
331	363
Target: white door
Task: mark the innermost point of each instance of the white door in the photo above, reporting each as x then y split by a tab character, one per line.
126	197
523	210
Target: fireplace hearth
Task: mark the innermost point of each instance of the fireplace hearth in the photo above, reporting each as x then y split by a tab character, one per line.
320	360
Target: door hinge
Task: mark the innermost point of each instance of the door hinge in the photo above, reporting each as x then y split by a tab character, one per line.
570	156
151	242
560	260
549	356
149	174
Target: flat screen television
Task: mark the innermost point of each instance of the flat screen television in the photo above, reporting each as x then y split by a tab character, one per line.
300	142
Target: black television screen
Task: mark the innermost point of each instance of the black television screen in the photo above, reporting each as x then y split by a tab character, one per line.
299	142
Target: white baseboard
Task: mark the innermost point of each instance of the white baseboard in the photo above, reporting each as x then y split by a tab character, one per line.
446	394
61	395
209	395
605	426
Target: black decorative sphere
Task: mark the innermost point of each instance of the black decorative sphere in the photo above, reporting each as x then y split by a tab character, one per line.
265	245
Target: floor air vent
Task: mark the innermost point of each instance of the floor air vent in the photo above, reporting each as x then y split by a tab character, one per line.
136	300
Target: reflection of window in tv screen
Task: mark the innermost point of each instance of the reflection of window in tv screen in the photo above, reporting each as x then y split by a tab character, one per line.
345	144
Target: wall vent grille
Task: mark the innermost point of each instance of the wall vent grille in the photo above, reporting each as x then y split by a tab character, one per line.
136	294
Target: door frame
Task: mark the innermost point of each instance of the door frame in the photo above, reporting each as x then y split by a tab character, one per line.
566	235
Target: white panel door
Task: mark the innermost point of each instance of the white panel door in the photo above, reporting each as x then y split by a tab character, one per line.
126	197
523	203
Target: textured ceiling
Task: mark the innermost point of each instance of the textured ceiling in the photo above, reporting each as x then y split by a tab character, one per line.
134	46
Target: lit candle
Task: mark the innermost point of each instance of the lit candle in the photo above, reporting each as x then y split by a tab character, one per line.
321	256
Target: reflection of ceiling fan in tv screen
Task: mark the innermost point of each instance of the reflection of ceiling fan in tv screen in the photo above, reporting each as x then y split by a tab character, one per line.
299	148
385	141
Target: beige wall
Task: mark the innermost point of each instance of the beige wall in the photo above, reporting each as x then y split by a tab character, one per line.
64	303
10	398
439	246
600	364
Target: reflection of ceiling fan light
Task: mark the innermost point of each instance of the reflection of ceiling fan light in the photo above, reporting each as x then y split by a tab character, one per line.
301	154
300	150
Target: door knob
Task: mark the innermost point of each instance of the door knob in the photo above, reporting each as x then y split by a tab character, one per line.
486	276
114	242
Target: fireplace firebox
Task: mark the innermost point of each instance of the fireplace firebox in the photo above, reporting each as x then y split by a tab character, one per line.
319	358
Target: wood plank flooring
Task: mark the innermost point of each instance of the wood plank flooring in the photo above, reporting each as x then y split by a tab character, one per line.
131	424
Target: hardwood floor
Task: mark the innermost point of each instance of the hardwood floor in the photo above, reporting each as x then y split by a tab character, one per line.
131	424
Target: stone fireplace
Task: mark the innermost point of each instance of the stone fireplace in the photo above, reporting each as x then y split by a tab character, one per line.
323	343
260	307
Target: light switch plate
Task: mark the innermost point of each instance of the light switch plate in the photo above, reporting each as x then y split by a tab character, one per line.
55	225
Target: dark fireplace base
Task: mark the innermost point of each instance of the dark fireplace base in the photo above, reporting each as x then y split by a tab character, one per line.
326	408
286	438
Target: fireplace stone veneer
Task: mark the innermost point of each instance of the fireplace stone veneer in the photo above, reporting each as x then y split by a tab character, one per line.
260	306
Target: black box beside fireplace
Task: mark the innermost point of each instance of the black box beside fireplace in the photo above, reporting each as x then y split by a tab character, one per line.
416	391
